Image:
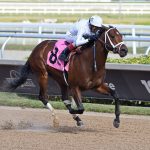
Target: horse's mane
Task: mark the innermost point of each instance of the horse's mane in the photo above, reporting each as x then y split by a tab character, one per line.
87	45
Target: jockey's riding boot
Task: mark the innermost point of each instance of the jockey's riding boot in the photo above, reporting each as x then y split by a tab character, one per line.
63	56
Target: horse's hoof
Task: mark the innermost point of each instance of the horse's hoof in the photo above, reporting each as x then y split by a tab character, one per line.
72	111
116	123
55	122
80	111
80	124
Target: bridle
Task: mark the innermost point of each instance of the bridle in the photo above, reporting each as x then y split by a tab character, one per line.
108	47
112	46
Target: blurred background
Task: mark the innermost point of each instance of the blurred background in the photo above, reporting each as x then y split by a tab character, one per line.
24	23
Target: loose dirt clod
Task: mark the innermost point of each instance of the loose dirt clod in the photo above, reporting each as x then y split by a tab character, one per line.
7	125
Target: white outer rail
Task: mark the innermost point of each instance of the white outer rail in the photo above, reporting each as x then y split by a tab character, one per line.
56	28
59	36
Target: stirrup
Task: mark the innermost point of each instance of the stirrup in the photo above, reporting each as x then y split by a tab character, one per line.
64	54
66	59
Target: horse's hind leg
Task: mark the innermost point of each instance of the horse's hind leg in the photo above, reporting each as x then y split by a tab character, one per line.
43	83
78	100
104	89
67	102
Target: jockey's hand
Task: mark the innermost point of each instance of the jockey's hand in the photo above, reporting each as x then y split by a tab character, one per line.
98	32
93	38
86	36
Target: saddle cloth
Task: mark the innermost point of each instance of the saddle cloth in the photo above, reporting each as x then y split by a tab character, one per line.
53	56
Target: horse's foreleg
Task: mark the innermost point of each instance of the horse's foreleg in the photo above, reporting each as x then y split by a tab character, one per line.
104	89
67	102
117	108
43	82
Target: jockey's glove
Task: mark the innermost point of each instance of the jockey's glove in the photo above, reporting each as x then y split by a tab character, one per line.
93	38
86	36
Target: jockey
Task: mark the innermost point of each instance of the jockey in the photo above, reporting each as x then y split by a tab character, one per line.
80	30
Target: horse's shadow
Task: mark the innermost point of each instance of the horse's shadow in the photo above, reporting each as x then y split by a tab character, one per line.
28	126
73	130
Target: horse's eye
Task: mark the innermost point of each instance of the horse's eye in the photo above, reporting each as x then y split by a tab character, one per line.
112	36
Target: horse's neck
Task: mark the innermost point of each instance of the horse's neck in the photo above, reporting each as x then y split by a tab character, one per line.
101	56
87	57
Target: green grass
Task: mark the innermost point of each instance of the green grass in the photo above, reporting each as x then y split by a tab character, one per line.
20	47
137	19
12	99
133	60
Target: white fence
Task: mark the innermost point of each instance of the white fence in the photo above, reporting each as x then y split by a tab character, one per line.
59	36
132	33
75	8
63	27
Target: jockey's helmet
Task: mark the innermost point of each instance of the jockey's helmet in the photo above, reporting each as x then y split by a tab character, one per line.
96	21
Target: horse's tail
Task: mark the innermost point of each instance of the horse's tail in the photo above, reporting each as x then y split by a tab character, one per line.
25	71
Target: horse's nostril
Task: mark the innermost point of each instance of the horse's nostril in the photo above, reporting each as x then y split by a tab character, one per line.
123	52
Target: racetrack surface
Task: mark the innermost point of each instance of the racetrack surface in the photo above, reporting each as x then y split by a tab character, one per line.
31	129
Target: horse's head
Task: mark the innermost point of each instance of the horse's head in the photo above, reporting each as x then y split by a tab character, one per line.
113	41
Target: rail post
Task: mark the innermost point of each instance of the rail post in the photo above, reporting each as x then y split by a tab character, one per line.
3	46
133	43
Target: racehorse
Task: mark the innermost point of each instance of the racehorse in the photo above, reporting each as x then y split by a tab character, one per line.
82	74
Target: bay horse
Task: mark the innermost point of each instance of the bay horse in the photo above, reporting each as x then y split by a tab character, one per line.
81	75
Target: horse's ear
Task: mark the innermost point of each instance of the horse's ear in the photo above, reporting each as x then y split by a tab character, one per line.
110	26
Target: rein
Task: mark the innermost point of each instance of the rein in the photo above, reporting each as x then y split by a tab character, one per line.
94	55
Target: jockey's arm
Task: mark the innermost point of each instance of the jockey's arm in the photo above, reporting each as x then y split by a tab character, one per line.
80	39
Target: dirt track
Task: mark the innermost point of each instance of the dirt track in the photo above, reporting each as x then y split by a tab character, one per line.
31	129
